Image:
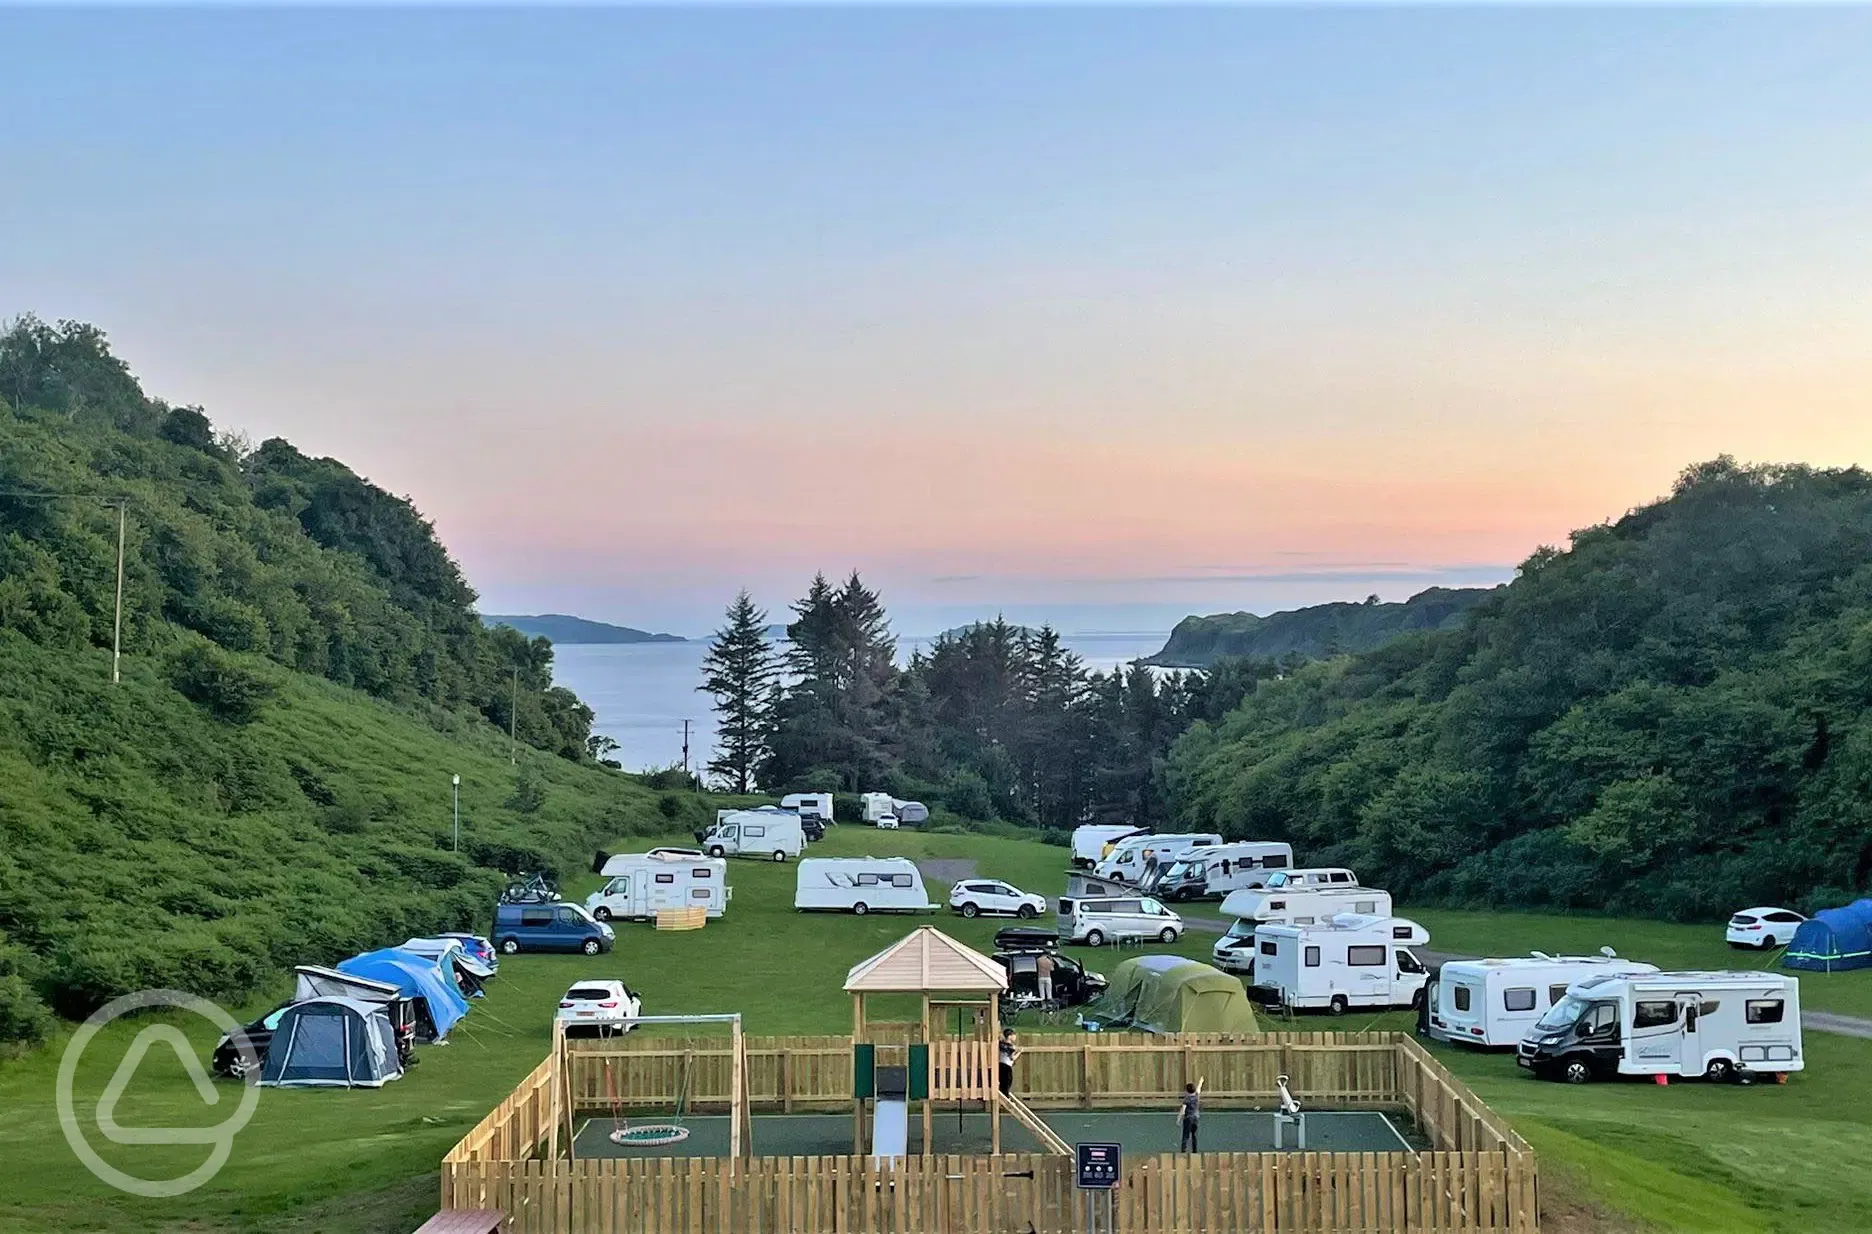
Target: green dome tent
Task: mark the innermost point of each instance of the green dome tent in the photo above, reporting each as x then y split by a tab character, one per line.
1169	994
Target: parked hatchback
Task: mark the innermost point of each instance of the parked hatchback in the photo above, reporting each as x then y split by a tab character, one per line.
974	897
549	927
1763	928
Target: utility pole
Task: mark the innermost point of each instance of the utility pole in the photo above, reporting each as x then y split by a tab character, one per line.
513	717
123	506
685	747
455	780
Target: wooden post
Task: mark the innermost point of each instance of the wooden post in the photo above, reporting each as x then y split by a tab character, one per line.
994	1055
858	1030
737	1091
929	1106
558	1039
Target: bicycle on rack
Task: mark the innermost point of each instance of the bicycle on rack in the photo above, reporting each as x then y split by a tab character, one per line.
536	888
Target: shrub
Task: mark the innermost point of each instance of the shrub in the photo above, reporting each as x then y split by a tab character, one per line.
214	681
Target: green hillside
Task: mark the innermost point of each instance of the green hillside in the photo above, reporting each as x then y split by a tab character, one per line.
303	671
1672	717
1314	631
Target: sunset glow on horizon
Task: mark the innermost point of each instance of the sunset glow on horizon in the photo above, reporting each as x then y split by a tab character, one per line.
1097	316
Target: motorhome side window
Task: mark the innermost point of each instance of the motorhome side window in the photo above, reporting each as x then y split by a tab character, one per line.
666	878
1273	863
1400	932
1764	1010
1277	904
1654	1014
699	872
1365	957
1462	998
754	831
1555	993
1312	957
1270	947
1521	999
698	893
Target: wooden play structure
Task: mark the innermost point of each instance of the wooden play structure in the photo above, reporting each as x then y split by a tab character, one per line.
1469	1171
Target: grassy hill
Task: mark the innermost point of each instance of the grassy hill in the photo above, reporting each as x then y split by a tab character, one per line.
1317	630
1671	716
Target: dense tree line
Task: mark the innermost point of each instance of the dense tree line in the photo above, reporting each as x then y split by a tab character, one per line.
993	721
1673	716
259	550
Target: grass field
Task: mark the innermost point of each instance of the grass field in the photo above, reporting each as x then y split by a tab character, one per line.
1686	1157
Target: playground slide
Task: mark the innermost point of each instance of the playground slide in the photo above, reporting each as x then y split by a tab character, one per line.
1049	1138
890	1128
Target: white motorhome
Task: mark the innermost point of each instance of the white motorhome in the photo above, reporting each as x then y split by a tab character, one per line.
768	833
809	805
1131	859
1091	842
861	885
1254	907
1211	871
1495	1002
640	885
1715	1025
1349	960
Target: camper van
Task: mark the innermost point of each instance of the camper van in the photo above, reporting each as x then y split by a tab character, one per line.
1097	920
1713	1025
1211	871
640	885
1253	907
767	833
1131	859
1495	1002
809	805
861	885
1091	842
1348	960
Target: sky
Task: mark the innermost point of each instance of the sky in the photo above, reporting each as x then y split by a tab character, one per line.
1098	316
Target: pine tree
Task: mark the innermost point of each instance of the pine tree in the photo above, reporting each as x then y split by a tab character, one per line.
740	671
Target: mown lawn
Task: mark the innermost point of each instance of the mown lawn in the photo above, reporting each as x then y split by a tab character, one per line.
1685	1157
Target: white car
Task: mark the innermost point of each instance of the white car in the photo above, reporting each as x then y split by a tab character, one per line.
887	823
601	1007
973	897
1764	927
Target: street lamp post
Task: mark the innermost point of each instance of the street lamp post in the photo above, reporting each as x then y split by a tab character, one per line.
455	782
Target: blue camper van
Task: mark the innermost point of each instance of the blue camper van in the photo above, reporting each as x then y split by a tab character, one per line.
559	926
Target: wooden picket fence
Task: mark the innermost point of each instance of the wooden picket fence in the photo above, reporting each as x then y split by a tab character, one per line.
1210	1193
1478	1174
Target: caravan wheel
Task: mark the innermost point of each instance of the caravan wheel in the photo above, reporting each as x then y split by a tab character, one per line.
1719	1071
778	855
861	908
1338	1005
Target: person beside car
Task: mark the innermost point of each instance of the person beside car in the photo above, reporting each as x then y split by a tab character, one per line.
1043	969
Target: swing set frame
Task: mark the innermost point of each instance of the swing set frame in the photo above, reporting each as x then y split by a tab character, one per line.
740	1126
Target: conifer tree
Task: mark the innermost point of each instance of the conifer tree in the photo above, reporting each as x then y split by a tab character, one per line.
740	671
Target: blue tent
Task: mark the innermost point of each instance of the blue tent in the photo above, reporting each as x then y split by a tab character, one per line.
332	1043
1833	939
417	976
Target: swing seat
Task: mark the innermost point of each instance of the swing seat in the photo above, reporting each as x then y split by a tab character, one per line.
650	1135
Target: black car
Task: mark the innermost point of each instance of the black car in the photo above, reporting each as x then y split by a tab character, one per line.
1073	984
227	1061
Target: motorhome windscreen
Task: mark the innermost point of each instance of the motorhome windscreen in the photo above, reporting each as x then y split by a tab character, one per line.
1243	928
1562	1014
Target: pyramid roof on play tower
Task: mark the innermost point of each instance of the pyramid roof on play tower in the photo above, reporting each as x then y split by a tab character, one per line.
925	960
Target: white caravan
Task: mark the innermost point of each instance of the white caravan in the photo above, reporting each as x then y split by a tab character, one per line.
1091	842
1713	1025
1131	859
1346	961
1211	871
638	886
861	885
1494	1002
768	833
809	805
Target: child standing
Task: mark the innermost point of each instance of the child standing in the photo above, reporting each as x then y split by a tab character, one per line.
1189	1118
